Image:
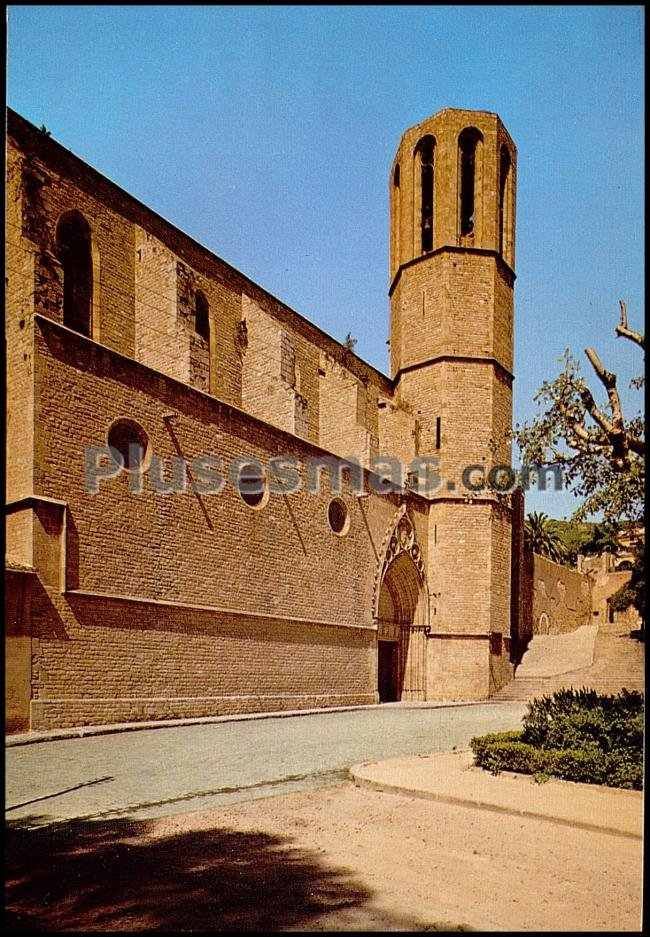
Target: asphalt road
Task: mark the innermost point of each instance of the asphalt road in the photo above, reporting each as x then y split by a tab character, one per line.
161	772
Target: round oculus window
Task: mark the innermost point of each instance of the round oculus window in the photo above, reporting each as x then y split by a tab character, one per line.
338	517
130	444
252	486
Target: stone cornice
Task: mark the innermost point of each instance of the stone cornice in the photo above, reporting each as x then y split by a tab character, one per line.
466	359
453	249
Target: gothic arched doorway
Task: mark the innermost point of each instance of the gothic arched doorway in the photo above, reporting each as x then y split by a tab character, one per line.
401	631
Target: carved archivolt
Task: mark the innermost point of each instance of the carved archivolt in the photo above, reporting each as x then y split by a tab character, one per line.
400	538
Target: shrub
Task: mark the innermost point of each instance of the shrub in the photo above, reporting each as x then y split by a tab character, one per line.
501	752
583	718
577	735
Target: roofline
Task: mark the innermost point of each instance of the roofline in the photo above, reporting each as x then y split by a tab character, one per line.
13	117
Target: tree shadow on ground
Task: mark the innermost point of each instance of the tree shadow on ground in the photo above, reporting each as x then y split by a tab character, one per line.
121	875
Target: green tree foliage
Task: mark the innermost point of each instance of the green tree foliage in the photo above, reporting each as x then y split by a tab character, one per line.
604	539
572	534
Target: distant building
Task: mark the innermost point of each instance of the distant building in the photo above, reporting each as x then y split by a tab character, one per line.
608	573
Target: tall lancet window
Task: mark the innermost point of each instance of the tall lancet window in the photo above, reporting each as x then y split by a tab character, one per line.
73	239
202	316
202	353
467	145
504	203
396	218
425	151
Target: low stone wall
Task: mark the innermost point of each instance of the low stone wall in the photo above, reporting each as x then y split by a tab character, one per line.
66	714
561	597
607	578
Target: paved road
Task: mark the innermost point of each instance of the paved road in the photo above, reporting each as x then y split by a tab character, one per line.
160	772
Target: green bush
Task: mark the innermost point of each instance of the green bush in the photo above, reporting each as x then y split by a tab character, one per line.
577	735
500	752
583	718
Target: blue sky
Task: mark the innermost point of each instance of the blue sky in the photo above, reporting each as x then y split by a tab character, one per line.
267	133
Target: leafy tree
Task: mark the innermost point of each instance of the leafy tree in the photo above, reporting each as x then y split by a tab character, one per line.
541	537
604	539
573	535
602	454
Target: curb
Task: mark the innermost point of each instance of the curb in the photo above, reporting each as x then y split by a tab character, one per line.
56	735
482	805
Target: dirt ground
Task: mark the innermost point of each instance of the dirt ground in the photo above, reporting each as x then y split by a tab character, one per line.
339	858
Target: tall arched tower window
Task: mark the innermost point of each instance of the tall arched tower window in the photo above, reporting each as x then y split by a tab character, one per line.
202	316
468	152
505	204
74	244
424	190
396	218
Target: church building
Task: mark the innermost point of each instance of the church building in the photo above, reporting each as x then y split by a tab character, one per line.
132	596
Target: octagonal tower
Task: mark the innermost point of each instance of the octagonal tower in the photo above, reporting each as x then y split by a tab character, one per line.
452	234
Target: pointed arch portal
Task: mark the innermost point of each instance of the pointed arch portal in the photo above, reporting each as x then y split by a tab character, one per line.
402	614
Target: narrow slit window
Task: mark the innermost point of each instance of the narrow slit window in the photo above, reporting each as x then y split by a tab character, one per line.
438	425
467	143
73	238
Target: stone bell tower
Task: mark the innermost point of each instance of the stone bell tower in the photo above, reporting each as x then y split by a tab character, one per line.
452	234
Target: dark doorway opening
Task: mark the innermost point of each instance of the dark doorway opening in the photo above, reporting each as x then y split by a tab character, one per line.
387	671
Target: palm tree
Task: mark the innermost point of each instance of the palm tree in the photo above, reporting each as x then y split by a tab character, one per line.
541	537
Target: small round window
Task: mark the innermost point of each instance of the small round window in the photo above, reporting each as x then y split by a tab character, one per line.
130	444
338	517
252	485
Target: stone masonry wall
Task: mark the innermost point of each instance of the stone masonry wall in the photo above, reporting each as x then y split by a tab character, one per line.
267	392
260	608
348	422
561	597
19	334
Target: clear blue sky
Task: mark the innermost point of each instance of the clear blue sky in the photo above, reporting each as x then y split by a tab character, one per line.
267	133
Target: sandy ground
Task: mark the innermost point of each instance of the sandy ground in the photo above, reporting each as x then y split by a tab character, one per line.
453	778
338	858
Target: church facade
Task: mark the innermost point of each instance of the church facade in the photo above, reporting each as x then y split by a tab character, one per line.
157	565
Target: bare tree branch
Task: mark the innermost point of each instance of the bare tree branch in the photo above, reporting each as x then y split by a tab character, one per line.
604	460
619	438
608	380
623	330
